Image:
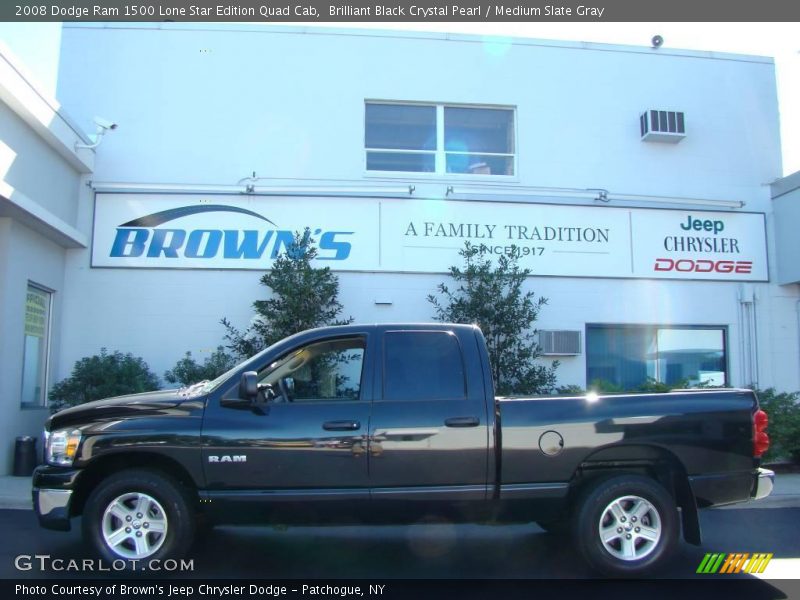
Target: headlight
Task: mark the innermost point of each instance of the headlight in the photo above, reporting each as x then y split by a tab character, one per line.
61	446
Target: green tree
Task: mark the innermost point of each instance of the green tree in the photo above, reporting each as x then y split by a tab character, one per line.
303	297
188	371
103	376
783	411
493	298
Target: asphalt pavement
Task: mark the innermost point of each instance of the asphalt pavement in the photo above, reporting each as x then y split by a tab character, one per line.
430	551
426	551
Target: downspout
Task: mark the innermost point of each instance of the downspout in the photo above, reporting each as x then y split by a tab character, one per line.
797	308
749	336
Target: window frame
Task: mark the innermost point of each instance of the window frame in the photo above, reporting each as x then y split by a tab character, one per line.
44	400
440	154
656	327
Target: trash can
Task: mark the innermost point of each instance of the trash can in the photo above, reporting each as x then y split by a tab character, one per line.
24	456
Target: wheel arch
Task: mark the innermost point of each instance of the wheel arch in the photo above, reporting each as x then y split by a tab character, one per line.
656	462
103	466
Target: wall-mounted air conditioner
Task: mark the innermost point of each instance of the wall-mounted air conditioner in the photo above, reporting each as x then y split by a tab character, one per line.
560	342
662	126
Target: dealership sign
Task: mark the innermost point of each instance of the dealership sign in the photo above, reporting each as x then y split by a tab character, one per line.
424	236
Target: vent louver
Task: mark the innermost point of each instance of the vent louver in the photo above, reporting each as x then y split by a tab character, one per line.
560	342
662	126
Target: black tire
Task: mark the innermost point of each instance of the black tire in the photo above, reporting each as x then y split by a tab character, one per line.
165	504
642	509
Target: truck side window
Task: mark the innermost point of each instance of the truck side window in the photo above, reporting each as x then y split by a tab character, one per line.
423	365
321	372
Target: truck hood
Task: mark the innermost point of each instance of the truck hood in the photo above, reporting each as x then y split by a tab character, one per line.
147	404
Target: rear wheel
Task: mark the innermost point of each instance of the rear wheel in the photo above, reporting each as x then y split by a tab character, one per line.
138	515
626	525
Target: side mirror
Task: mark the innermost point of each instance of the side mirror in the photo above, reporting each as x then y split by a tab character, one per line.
248	385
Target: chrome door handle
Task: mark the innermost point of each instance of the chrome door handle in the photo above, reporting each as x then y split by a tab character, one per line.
462	422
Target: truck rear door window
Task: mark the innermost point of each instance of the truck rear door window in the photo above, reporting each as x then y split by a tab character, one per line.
423	365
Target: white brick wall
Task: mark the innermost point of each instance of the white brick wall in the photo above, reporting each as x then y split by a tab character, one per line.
211	104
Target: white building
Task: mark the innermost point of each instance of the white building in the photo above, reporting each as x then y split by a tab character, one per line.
635	180
40	201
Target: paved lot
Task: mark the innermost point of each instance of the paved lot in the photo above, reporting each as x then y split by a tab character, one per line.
516	554
419	551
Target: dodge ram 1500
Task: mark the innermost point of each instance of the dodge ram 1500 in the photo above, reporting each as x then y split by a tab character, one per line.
390	424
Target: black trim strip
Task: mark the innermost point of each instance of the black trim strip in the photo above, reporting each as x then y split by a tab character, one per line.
533	491
293	495
433	492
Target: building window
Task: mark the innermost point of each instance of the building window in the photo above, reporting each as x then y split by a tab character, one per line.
628	356
440	139
36	346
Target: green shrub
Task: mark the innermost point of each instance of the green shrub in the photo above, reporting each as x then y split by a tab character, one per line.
784	423
651	385
602	385
570	390
598	386
102	376
188	371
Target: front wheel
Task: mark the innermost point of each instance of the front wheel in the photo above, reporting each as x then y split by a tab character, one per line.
138	515
626	525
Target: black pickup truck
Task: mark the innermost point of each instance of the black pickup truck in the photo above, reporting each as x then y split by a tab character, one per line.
393	424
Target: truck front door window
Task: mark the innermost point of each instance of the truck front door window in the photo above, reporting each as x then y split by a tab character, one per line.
322	372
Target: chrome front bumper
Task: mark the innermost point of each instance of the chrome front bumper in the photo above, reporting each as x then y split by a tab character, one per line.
765	481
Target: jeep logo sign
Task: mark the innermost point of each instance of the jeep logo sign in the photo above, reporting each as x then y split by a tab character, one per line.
407	235
703	225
